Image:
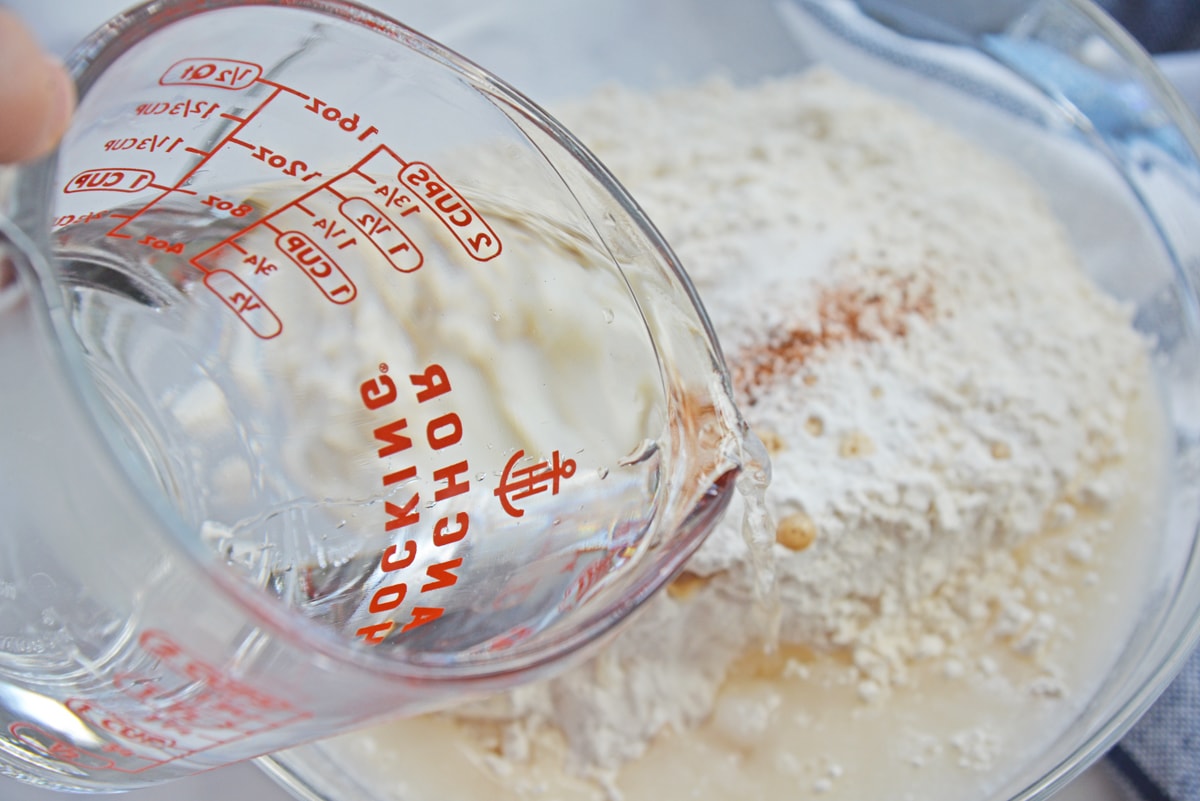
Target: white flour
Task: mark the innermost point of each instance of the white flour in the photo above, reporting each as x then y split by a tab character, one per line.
936	380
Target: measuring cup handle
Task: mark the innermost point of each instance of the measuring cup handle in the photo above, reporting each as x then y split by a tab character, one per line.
29	286
43	407
25	224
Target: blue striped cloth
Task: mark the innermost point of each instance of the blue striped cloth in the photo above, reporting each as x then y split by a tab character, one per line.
1159	760
1162	26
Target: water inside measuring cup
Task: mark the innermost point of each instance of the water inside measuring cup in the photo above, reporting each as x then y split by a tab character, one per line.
393	525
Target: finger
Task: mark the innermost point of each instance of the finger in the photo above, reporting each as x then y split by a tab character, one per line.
36	94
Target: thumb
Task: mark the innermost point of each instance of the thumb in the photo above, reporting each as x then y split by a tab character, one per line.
36	94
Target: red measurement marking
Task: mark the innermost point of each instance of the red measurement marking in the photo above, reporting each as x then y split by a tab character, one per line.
174	248
292	167
221	204
177	659
384	234
182	108
284	88
317	265
468	227
179	707
247	305
229	137
347	122
330	230
110	180
152	144
82	219
333	191
588	579
37	739
100	718
392	197
517	485
221	73
507	641
261	265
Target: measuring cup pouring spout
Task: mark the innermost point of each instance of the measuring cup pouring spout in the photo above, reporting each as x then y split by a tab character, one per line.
340	382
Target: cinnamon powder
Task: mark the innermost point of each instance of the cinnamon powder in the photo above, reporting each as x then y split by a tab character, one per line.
845	314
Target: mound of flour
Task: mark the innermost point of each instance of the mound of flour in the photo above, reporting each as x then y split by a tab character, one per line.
911	336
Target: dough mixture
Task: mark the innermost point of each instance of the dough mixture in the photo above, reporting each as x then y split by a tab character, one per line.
966	455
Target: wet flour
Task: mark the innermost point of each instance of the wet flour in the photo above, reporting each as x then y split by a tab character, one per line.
948	403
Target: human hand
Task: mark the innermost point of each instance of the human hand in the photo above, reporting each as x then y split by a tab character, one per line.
37	95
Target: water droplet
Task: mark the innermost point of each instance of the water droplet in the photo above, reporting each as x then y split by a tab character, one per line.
602	472
496	316
609	316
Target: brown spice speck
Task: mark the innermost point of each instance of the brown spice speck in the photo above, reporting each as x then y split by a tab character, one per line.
854	445
845	314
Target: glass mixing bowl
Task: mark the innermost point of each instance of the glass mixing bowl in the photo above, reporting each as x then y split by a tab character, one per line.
1054	86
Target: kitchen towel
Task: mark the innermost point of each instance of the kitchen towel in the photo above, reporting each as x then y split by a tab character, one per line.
1159	759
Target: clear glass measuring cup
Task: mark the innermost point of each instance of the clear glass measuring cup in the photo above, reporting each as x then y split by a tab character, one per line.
339	382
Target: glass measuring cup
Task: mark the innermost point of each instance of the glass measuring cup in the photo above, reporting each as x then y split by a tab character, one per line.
340	382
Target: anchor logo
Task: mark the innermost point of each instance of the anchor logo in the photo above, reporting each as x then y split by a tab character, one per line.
517	485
